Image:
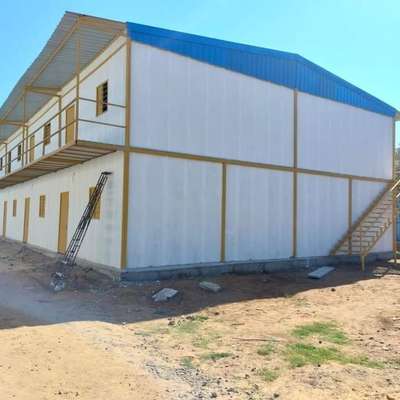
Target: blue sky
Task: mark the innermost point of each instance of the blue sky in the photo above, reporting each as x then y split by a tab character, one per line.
355	39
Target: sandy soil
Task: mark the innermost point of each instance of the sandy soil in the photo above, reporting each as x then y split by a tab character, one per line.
100	339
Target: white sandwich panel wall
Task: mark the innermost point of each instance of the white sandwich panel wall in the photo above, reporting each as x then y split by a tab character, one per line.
112	72
183	105
363	194
322	212
36	128
12	147
259	214
103	240
340	138
174	211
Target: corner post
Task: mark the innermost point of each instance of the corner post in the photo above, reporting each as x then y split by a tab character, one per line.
126	154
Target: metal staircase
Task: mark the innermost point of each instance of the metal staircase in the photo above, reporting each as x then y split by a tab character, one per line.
371	225
80	232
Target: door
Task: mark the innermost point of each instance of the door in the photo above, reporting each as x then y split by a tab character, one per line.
31	148
63	222
8	169
70	124
4	218
26	219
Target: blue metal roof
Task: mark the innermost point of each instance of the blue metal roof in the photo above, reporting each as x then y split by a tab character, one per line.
279	67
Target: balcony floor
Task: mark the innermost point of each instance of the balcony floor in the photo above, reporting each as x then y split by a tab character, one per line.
64	157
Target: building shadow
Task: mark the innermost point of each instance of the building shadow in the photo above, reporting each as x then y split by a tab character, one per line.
27	300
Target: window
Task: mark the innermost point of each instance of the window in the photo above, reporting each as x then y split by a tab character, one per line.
19	152
102	98
46	134
14	208
96	214
42	206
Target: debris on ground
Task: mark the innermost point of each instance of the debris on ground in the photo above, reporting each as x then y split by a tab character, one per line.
164	294
57	282
210	286
320	272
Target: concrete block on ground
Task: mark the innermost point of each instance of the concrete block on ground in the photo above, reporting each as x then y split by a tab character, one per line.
320	272
164	294
210	286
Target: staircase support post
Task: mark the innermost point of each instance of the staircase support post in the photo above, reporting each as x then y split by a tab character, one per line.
394	225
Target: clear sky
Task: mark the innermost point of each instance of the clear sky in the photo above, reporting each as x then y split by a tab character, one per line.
355	39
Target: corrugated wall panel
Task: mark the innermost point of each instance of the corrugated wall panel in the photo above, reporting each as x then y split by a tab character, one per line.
174	211
259	214
339	138
183	105
322	213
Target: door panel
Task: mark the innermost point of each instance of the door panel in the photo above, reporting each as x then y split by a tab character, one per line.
26	219
32	148
70	124
63	222
5	219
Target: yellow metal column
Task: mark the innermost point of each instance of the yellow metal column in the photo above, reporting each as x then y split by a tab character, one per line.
394	199
223	213
78	73
126	154
350	216
295	162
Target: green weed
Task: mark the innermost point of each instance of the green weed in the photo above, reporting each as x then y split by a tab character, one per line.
300	354
187	362
324	330
215	356
268	375
266	349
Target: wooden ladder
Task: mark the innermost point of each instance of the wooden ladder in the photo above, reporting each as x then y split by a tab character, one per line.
371	225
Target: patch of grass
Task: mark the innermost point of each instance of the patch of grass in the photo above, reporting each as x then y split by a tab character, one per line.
204	341
215	356
365	362
155	330
187	362
300	354
266	349
324	330
268	375
190	325
142	333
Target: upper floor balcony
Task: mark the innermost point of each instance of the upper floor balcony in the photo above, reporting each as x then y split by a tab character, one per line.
81	129
70	105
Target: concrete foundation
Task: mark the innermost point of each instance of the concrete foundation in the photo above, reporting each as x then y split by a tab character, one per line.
242	267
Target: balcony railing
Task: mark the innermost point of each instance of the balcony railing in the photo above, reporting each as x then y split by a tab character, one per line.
75	123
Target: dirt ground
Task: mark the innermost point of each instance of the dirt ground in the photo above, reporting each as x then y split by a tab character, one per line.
265	336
